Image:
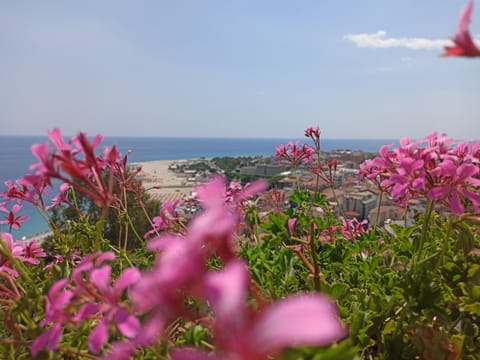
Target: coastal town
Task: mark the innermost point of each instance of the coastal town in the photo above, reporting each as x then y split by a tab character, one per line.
175	180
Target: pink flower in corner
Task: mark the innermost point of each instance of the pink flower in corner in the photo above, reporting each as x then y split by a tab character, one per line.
463	42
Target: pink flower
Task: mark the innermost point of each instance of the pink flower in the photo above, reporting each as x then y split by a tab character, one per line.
60	198
409	176
56	302
215	226
108	306
463	43
177	268
454	183
429	168
180	265
16	250
378	169
164	220
215	194
56	313
14	191
120	350
12	220
32	252
76	164
294	153
327	177
91	296
291	226
350	229
314	134
301	320
49	340
56	138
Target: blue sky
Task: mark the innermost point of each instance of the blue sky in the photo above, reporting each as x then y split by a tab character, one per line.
219	68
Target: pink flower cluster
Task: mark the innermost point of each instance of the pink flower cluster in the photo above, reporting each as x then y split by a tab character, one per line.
327	176
11	290
157	295
90	295
314	134
350	229
164	220
27	252
433	168
74	164
12	219
295	154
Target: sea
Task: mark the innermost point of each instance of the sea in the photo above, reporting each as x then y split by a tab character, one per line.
16	158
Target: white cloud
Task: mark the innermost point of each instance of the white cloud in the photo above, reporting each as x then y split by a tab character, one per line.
379	39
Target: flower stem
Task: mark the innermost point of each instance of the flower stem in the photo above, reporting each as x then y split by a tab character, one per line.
425	228
380	198
313	250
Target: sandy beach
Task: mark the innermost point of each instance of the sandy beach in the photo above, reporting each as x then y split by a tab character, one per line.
162	183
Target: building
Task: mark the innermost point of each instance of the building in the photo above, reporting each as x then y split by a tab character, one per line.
360	201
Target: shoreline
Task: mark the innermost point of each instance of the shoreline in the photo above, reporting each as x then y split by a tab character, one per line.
163	184
38	237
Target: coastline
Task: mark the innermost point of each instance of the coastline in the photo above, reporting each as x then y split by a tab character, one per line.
163	184
38	237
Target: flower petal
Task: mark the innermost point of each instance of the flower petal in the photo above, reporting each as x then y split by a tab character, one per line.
438	192
85	311
120	350
127	324
226	291
306	320
48	340
101	277
127	277
98	336
151	330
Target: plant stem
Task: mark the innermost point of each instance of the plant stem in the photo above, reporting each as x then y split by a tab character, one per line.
132	225
340	208
313	250
99	228
380	197
445	243
425	228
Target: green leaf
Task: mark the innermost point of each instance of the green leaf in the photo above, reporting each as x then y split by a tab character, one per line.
473	308
466	240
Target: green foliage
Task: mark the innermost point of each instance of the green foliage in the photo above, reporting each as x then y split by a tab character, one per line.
125	224
229	164
399	301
